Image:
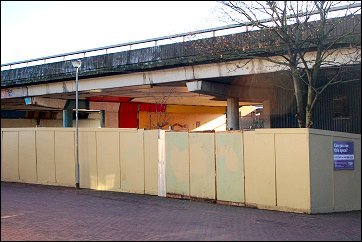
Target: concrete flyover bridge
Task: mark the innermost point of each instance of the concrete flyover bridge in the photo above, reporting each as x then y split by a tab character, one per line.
180	85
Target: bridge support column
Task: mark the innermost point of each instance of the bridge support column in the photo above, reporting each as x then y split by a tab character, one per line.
67	118
232	113
266	113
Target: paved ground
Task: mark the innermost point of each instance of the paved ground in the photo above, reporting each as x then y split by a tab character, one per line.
35	212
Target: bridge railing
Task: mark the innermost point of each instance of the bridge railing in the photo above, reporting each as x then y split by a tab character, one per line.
153	41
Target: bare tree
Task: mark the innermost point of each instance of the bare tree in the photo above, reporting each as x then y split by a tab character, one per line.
159	118
302	38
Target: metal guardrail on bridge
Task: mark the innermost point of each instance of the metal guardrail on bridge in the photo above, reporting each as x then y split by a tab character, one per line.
168	37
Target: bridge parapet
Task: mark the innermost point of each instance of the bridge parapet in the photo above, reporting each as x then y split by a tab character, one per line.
217	49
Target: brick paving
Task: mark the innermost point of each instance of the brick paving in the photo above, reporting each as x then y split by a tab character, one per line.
37	212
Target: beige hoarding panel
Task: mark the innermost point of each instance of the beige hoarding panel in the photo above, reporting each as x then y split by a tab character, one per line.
10	152
292	171
45	157
108	160
177	163
65	158
259	159
17	123
132	162
333	190
151	161
202	165
321	173
347	183
27	156
304	178
229	167
88	160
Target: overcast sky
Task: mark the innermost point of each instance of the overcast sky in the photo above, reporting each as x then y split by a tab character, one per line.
35	29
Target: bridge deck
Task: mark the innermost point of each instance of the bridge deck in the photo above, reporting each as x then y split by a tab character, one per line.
217	49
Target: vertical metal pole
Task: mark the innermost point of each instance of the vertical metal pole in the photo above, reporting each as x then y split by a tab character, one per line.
76	132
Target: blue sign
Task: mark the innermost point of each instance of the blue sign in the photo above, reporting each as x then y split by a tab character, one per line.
27	100
343	155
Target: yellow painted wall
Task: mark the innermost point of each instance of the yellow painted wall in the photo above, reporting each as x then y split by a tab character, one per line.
321	173
259	158
55	123
285	169
177	163
333	190
45	156
202	165
277	172
229	167
27	157
151	161
88	159
292	171
108	160
65	158
188	120
17	123
347	184
195	109
10	154
132	161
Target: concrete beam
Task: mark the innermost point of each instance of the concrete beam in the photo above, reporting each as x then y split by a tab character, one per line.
178	74
221	90
212	89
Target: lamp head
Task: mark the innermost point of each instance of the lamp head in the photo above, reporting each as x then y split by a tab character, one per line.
76	63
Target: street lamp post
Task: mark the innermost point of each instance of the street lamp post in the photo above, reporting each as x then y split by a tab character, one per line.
76	64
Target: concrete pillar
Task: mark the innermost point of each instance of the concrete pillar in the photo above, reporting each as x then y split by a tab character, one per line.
232	113
266	113
103	118
67	118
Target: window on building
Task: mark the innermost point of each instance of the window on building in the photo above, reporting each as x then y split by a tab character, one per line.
340	107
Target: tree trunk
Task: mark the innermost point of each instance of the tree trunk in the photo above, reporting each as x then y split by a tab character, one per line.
308	115
299	99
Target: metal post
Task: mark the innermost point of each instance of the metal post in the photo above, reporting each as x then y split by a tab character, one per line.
76	132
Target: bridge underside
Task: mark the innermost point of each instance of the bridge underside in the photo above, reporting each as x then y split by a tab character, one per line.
209	99
190	103
177	93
